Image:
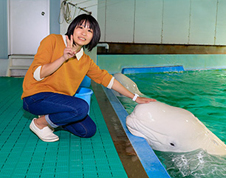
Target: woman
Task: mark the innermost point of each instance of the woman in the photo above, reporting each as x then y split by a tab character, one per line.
55	75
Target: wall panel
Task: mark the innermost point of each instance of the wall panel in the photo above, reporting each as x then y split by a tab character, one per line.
202	22
120	21
194	22
175	22
148	21
221	23
102	18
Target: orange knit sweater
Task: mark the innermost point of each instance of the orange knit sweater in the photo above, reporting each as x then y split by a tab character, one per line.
68	77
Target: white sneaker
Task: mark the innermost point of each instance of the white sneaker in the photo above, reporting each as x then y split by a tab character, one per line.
45	134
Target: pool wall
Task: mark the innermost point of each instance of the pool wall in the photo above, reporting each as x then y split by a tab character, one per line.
115	63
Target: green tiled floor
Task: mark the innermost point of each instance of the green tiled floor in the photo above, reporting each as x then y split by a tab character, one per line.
22	154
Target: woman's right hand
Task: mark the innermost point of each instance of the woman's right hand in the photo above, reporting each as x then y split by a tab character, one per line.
69	51
52	67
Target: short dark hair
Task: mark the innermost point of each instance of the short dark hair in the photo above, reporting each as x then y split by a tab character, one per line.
93	24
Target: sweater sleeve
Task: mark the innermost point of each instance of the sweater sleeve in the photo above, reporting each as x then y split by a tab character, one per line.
98	75
44	53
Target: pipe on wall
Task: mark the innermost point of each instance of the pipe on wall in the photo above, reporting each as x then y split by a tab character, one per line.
105	45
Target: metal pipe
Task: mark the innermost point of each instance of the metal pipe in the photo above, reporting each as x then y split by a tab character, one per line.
103	45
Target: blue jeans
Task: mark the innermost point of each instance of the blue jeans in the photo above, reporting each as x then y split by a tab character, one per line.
62	110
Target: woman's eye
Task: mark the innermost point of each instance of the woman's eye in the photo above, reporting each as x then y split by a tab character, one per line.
81	27
91	31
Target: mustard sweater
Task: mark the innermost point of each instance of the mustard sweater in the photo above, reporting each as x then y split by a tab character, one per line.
68	77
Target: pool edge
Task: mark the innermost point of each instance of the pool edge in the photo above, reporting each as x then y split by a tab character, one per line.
149	160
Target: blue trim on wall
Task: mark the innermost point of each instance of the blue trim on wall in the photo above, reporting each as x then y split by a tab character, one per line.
54	15
133	70
3	30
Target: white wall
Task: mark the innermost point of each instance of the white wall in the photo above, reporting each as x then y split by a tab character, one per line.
199	22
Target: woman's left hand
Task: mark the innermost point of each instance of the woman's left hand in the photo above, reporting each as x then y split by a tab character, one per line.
142	100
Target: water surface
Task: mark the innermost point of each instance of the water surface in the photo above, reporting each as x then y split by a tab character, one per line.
204	94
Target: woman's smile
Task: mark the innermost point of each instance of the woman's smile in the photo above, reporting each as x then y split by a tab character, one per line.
82	34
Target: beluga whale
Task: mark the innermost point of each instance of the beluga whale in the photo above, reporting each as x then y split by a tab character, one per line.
168	128
172	129
187	147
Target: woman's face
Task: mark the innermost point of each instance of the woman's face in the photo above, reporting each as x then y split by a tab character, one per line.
82	34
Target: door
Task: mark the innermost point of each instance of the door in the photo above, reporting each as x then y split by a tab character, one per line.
28	25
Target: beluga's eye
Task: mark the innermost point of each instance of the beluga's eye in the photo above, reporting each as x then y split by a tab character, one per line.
172	144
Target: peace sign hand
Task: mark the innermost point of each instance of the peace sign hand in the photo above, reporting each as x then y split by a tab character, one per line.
70	49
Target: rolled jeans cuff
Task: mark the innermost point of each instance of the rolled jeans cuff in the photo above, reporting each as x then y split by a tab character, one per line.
50	122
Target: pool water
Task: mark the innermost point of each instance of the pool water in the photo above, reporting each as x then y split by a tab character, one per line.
204	94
